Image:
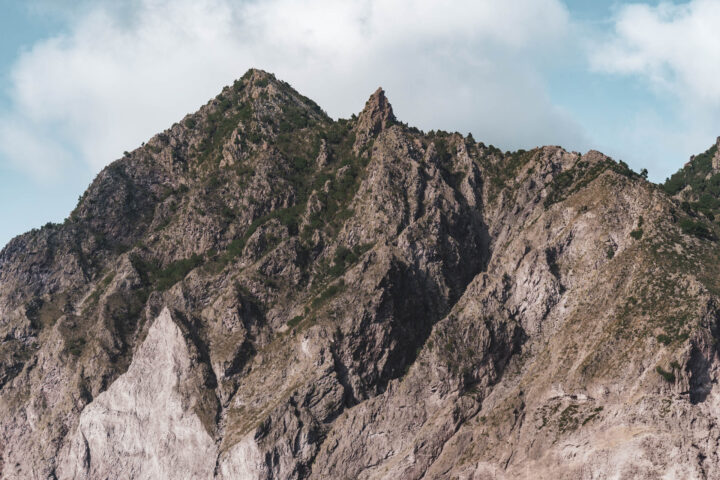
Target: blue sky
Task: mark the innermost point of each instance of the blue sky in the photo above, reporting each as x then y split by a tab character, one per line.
82	81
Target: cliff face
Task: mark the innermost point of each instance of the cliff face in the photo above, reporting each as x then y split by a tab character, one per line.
261	292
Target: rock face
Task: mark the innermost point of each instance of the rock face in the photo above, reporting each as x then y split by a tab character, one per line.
261	292
143	425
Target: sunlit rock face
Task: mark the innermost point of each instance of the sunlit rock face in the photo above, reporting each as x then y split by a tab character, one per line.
144	426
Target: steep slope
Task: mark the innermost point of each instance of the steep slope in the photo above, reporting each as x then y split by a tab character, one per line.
263	292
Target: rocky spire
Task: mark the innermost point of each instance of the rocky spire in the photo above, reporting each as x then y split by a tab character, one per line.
375	117
716	158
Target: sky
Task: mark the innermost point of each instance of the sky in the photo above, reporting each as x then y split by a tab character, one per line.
81	81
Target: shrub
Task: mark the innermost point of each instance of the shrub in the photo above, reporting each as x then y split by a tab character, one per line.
664	339
668	376
176	271
295	321
697	229
637	234
328	293
75	346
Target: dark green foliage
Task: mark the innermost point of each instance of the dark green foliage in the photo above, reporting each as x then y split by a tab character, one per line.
102	286
295	321
568	420
75	346
344	257
294	118
610	252
328	293
637	234
668	376
562	182
664	339
176	271
221	123
697	229
704	185
595	413
164	278
443	153
287	216
694	175
190	123
579	176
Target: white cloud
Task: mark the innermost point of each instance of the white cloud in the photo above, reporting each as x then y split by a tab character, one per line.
674	46
121	74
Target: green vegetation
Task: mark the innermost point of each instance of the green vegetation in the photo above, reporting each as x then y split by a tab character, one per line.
568	420
228	114
579	176
501	173
667	376
43	313
637	234
704	185
295	321
75	346
100	289
344	257
328	293
287	216
164	278
664	339
595	413
694	175
696	228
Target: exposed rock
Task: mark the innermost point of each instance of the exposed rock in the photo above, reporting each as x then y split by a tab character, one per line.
262	292
375	117
143	426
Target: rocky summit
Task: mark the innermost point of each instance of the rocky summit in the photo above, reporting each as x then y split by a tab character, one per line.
261	292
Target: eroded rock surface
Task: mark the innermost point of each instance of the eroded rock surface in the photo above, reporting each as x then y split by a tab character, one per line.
143	426
261	292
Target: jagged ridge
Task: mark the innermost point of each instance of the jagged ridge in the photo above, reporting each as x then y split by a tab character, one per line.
359	299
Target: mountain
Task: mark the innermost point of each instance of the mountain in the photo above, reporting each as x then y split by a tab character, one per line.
261	292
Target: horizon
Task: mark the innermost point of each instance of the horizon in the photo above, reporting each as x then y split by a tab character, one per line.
83	82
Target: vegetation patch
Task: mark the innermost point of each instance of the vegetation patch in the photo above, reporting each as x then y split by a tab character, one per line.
295	321
667	376
696	229
328	293
75	346
164	278
637	233
580	175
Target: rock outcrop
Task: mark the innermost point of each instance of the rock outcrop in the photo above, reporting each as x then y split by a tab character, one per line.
261	292
143	425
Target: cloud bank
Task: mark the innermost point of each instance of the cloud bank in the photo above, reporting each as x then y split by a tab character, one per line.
674	49
119	74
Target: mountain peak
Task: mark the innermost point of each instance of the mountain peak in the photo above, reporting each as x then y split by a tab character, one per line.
377	114
374	118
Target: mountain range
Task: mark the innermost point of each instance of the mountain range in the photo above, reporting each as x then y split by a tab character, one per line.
262	292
